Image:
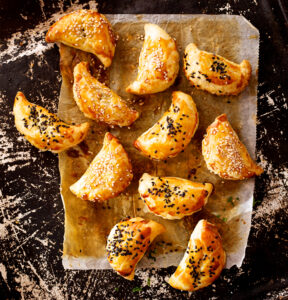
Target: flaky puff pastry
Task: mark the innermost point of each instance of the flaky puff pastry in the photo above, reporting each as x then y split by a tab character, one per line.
203	260
86	30
108	175
128	242
224	153
158	62
215	74
97	101
173	132
45	130
172	197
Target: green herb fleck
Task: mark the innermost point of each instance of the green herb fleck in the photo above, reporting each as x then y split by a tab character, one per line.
230	200
148	281
154	251
237	198
136	289
224	219
116	289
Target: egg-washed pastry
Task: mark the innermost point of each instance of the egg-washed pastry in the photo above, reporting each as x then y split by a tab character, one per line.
97	101
172	197
45	130
86	30
158	62
203	260
224	153
173	132
108	175
215	74
128	242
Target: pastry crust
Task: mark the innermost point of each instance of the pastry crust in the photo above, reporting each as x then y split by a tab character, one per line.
128	242
97	101
224	153
203	260
158	62
45	130
86	30
108	175
171	197
173	132
215	74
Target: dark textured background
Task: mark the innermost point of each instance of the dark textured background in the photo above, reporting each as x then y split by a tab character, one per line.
31	209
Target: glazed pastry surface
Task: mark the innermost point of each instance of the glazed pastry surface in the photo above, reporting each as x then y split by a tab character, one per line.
86	30
45	130
203	260
97	101
158	62
108	175
173	132
172	197
214	73
128	242
224	153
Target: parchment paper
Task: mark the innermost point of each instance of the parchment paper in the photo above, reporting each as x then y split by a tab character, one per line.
88	224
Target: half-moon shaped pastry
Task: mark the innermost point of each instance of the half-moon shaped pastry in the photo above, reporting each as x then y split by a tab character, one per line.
86	30
224	153
97	101
173	132
108	175
203	260
215	74
158	62
128	242
45	130
172	197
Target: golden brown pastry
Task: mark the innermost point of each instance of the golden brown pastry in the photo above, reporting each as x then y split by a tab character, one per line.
128	242
215	74
86	30
224	153
158	62
97	101
45	130
172	197
108	175
173	132
203	260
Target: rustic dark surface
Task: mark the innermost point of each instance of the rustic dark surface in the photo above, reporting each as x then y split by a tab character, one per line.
31	211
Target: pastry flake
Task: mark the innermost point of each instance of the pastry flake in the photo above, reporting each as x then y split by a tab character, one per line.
158	62
173	132
203	260
108	175
172	197
224	153
97	101
215	74
45	130
128	242
86	30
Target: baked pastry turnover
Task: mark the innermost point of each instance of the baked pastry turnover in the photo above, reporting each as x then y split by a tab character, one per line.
173	132
128	242
172	197
97	101
45	130
86	30
203	260
158	62
215	74
224	153
108	175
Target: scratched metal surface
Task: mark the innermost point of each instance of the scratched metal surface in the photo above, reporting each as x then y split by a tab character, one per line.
31	211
